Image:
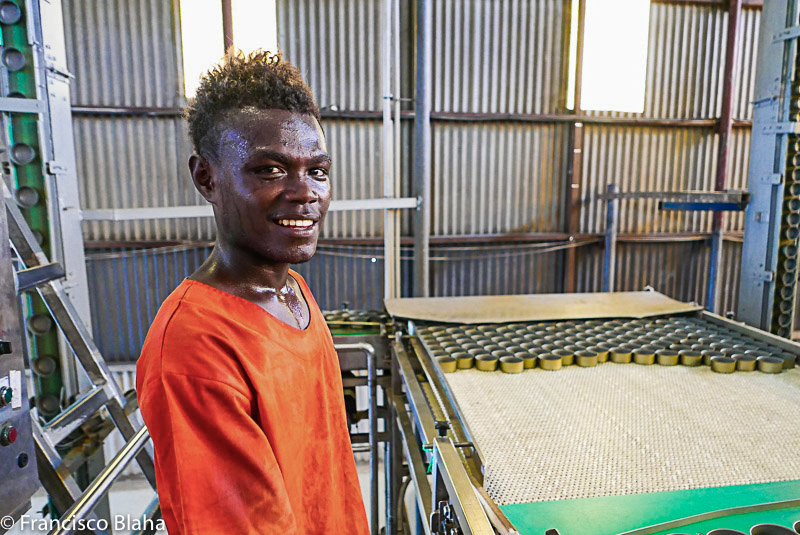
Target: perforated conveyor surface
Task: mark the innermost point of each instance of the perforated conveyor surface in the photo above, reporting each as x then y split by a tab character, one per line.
627	429
622	429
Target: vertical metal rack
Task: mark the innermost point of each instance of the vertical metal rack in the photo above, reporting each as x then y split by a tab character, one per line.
767	291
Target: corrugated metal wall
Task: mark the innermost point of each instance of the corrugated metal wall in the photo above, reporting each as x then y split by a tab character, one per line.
126	54
499	177
127	287
500	56
492	174
684	81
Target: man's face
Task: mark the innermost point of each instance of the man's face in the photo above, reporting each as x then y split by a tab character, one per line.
272	186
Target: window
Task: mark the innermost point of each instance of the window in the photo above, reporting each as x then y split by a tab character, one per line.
254	26
614	67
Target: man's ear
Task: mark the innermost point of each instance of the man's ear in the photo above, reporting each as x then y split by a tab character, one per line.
203	176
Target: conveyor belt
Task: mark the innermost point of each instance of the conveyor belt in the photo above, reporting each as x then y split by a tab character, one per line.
622	431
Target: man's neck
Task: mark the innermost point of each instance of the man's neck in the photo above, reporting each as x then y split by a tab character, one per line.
238	273
267	285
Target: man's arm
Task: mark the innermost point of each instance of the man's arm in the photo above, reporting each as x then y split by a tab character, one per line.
218	473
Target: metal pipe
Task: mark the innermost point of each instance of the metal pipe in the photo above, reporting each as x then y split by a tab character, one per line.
575	164
397	141
401	501
723	151
395	459
610	254
422	147
205	210
441	116
101	485
372	386
227	24
390	245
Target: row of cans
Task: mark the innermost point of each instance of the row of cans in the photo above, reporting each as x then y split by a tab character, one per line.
680	340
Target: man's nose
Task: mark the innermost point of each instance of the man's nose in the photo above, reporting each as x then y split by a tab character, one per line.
301	190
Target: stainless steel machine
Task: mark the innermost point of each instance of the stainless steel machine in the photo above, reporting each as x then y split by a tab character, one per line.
17	458
605	413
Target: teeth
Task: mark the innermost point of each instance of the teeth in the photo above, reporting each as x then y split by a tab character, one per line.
295	222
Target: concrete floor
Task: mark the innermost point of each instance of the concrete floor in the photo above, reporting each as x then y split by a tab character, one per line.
129	498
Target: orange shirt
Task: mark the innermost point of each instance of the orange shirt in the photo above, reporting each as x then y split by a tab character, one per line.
247	418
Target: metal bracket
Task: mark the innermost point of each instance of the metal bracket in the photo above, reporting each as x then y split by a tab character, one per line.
56	70
700	206
781	128
792	32
55	168
21	105
766	276
774	178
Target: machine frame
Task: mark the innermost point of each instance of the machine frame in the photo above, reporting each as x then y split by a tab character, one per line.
432	432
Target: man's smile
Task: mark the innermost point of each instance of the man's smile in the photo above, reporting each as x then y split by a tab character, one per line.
295	222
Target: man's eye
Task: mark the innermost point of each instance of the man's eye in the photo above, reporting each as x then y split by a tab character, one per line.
319	173
268	170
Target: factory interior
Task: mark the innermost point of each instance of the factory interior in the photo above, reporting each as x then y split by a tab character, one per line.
556	286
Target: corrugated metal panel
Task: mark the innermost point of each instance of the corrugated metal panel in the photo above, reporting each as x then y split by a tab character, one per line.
498	177
498	56
744	94
137	162
355	148
496	270
127	287
348	275
123	53
336	45
141	162
646	159
729	272
686	61
738	166
678	270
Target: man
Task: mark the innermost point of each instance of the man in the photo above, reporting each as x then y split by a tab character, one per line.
238	380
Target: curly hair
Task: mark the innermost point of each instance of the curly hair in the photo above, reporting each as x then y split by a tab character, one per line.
259	80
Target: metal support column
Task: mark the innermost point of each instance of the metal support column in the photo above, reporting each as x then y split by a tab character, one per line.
610	254
394	459
390	85
372	412
572	196
766	230
423	166
725	125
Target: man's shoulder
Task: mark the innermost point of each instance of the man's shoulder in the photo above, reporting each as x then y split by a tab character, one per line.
192	336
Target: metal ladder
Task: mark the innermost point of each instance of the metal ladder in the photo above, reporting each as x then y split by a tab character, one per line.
105	393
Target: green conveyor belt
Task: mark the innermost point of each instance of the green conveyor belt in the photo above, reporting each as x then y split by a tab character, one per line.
617	514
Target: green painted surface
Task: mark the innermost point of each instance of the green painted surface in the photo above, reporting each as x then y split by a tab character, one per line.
24	128
612	515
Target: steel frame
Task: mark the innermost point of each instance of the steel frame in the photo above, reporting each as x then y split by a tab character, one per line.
54	471
431	432
768	149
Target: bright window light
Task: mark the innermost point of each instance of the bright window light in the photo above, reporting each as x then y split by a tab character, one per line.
201	39
255	25
573	54
614	55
